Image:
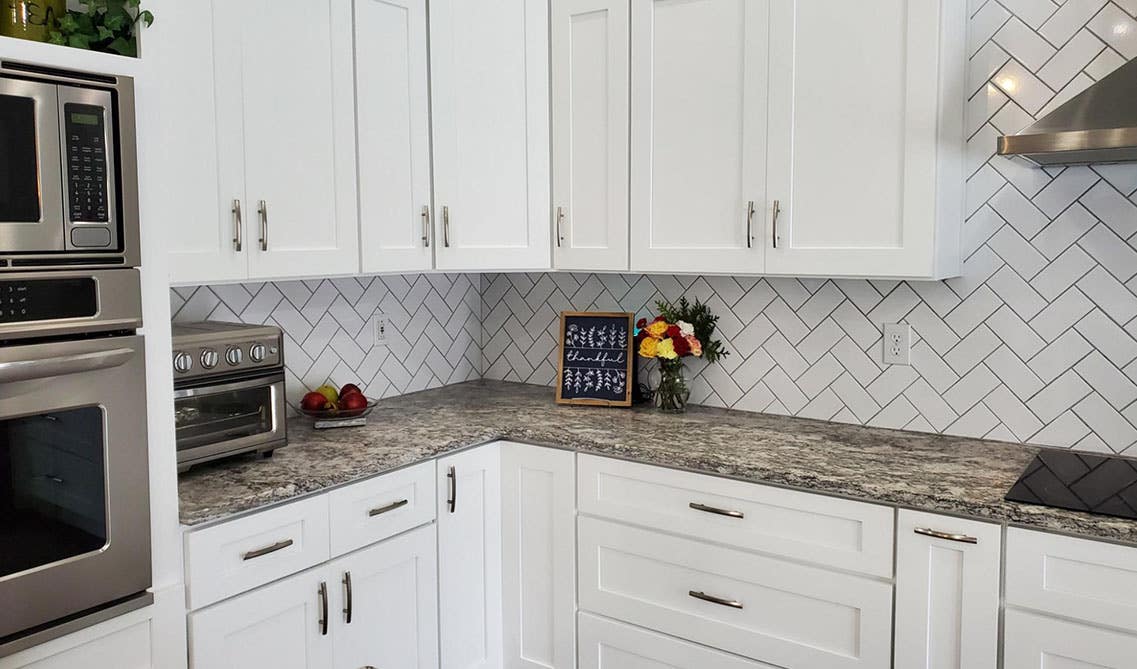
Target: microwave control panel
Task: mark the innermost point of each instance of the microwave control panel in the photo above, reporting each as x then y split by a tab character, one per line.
87	168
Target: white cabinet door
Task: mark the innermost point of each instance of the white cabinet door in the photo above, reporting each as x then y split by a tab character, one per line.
590	134
539	556
386	609
1033	641
490	88
866	142
282	626
393	110
287	133
947	592
698	153
608	644
200	225
469	559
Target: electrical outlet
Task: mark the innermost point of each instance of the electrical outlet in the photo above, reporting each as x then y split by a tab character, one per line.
897	344
379	325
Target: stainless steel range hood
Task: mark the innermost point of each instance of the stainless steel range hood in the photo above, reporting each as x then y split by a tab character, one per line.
1099	125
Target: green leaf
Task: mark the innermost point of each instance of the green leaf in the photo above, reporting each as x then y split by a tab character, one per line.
116	21
147	17
79	41
56	37
122	46
68	24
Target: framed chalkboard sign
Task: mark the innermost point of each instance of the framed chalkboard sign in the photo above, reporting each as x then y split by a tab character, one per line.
596	358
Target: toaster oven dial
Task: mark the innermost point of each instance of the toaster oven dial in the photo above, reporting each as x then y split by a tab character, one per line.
183	362
257	352
209	358
233	356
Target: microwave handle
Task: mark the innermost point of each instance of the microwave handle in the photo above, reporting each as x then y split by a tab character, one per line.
24	370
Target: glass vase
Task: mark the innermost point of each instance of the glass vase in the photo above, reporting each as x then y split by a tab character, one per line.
672	393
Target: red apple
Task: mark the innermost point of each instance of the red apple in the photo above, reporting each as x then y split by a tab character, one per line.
353	404
314	402
349	389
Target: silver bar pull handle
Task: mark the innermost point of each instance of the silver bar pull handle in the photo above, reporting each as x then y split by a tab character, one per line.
715	600
749	224
323	621
261	552
25	370
936	534
425	226
777	213
712	509
262	209
384	509
446	226
560	219
347	598
237	243
452	481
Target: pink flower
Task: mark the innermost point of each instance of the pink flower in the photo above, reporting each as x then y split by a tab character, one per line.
696	346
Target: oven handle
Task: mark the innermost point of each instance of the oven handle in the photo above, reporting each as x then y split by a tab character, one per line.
25	370
258	382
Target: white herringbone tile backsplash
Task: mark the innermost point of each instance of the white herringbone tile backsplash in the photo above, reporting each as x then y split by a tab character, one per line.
433	328
1035	342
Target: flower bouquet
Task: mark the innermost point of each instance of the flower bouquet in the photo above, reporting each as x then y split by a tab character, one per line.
680	330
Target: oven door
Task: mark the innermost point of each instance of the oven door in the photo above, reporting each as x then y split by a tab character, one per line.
31	189
74	491
218	419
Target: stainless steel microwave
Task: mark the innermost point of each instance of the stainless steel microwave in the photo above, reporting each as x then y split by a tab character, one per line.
68	170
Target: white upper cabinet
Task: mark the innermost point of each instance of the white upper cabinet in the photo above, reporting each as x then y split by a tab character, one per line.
393	109
865	138
490	88
287	145
201	229
590	134
270	131
698	144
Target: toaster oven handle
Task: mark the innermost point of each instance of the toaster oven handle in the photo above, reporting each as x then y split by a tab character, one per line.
24	370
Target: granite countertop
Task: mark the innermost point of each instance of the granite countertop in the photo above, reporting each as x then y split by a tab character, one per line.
935	473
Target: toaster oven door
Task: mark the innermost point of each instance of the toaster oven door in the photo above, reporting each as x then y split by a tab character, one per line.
219	419
31	193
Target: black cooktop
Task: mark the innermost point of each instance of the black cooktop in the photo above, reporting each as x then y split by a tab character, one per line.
1100	484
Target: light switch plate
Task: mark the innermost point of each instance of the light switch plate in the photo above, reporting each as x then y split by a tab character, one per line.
379	326
897	344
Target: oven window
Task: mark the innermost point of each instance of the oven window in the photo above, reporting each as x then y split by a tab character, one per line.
215	417
52	488
19	168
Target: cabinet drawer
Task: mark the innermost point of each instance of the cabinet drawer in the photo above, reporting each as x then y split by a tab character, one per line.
854	536
241	554
607	644
370	511
1074	578
775	611
1033	641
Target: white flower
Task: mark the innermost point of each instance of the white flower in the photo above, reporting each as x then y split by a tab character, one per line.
685	328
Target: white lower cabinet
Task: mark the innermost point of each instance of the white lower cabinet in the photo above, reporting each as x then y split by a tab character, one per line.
469	559
947	592
788	614
282	625
539	557
607	644
1034	641
385	612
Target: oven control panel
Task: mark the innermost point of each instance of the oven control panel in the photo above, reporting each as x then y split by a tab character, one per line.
87	172
47	299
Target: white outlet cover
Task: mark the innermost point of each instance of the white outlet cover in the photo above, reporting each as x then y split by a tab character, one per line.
379	326
897	344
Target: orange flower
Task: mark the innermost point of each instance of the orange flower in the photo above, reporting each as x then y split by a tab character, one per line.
648	347
657	329
696	347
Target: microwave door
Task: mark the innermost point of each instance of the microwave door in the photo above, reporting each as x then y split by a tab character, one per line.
31	197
